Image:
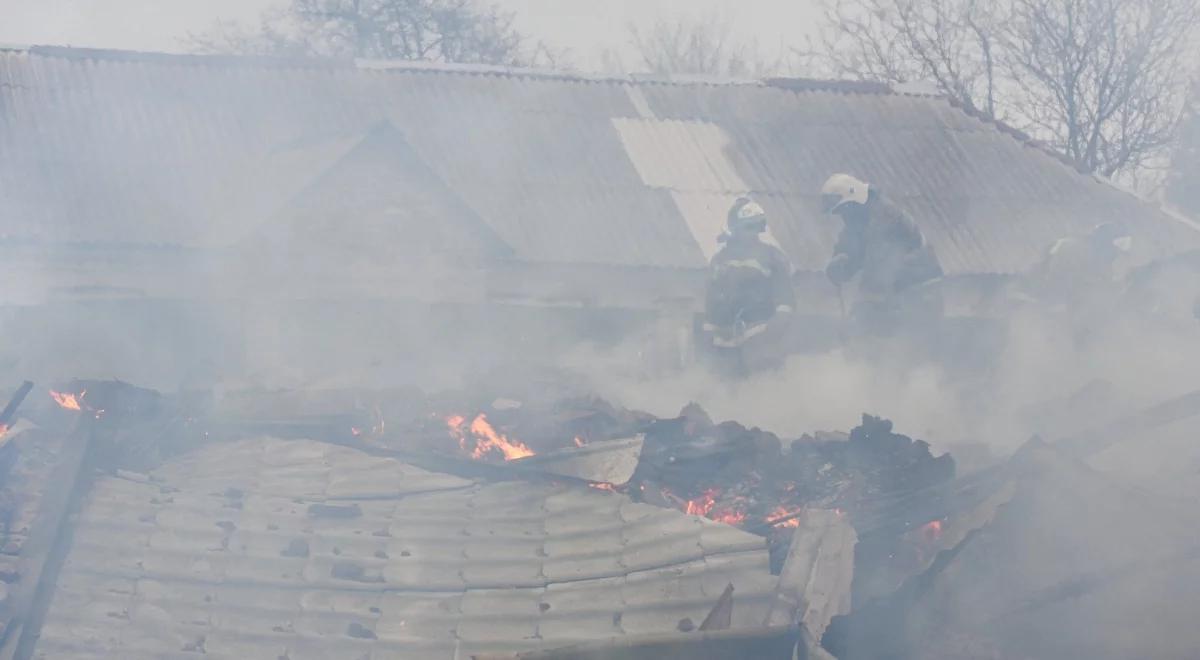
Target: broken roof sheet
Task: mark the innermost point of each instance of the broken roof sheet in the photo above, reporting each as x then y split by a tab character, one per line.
1063	563
272	549
195	151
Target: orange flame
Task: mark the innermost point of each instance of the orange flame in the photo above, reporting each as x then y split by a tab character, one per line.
484	439
703	504
68	400
782	512
706	505
931	530
600	485
455	424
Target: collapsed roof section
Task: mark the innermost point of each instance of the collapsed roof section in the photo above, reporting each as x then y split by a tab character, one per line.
269	548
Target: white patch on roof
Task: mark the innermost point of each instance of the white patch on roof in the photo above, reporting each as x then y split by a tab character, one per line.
681	155
689	159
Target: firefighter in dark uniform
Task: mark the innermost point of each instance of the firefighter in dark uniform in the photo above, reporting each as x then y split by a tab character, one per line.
1077	280
750	295
1078	271
899	275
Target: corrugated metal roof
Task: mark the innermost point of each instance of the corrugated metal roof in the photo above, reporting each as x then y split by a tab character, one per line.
187	150
272	549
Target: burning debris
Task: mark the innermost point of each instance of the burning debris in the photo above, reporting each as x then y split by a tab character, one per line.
68	400
480	441
727	473
839	530
10	411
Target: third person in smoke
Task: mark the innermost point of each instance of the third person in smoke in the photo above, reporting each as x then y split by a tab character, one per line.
898	272
1077	271
750	296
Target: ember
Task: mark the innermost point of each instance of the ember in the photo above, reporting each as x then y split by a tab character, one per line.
702	505
932	530
378	426
728	516
68	400
480	440
784	512
599	485
730	513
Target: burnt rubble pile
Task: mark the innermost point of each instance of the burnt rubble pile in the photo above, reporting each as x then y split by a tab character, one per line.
744	477
727	472
897	536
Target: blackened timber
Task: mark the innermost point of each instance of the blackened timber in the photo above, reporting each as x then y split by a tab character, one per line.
46	547
10	410
8	449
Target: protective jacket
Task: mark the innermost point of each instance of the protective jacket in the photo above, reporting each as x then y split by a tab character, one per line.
749	282
883	244
1073	269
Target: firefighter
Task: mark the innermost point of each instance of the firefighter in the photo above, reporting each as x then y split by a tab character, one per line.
1080	270
898	272
750	298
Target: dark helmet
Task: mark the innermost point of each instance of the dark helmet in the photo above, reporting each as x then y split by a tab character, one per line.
746	216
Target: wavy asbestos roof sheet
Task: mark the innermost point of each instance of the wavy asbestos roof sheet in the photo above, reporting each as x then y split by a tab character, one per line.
198	151
274	549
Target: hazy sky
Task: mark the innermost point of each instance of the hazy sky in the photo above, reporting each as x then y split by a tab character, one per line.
587	27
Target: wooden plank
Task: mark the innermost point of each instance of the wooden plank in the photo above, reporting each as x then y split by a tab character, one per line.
10	410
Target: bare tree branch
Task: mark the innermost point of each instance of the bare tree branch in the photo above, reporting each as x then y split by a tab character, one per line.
432	30
1100	80
699	47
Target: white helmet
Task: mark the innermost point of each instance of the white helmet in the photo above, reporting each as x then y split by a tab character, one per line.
842	188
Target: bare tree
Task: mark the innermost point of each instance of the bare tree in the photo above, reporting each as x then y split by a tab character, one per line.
698	47
1100	80
1103	77
430	30
1183	181
950	43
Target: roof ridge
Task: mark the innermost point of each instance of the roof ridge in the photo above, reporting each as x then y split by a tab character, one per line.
365	64
802	84
792	83
197	59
